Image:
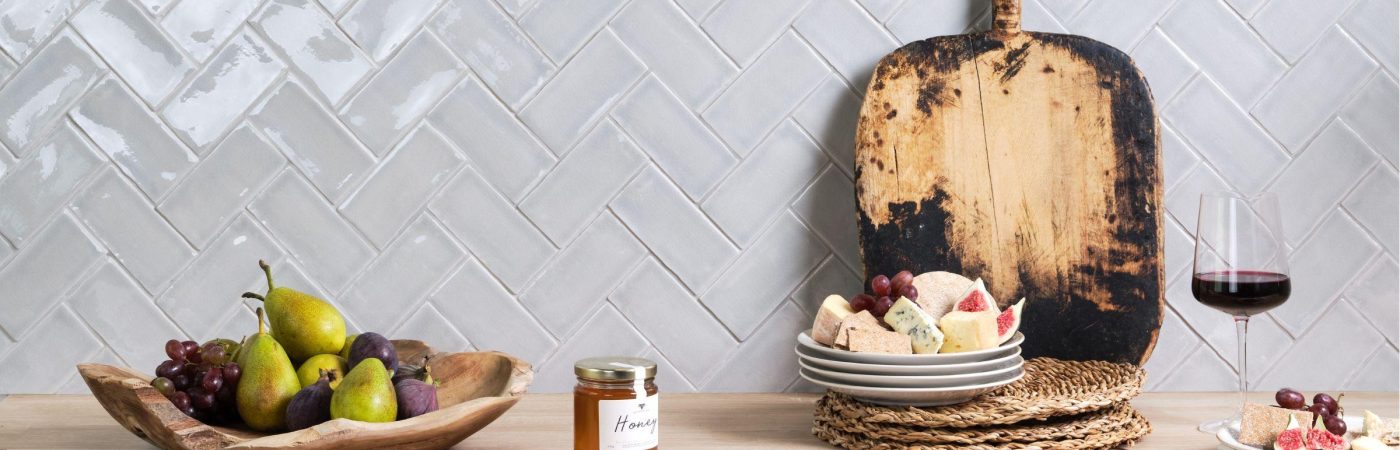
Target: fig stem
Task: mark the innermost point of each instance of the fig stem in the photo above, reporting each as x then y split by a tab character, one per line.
268	271
254	296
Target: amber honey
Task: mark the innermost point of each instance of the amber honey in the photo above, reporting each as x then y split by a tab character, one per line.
616	404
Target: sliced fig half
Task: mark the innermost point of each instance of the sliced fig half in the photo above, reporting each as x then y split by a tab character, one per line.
976	299
1009	321
1294	437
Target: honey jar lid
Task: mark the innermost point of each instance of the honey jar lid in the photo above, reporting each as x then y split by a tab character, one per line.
621	368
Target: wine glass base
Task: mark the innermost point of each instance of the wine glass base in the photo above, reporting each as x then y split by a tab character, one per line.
1214	426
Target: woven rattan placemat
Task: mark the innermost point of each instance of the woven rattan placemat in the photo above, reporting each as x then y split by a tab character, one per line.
1050	388
1061	428
897	438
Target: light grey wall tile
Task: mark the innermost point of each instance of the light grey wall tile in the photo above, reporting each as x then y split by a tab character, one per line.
122	313
764	275
829	114
401	92
404	181
583	183
495	48
221	185
766	358
327	247
1373	22
1374	204
1337	329
206	294
650	297
381	26
759	98
428	325
1167	69
561	27
1119	24
134	47
755	191
1322	266
42	90
313	140
743	29
1314	183
29	23
1224	46
831	277
36	278
36	186
1225	135
1314	89
581	92
848	38
915	20
582	275
134	233
1374	296
605	329
1373	115
1378	375
61	342
476	303
219	93
673	229
1292	26
492	228
675	49
674	137
314	45
402	276
201	27
828	207
492	138
133	137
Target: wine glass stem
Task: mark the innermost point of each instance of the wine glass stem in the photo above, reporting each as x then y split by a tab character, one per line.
1242	329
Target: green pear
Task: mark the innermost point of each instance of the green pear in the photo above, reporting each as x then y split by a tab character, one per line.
310	371
366	394
268	382
307	326
349	340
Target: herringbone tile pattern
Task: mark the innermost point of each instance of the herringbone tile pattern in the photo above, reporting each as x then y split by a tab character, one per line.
669	178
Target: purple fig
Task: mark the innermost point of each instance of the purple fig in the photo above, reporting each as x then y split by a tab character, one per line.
373	345
417	397
411	371
311	405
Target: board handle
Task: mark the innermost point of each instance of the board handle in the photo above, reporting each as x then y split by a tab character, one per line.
1006	16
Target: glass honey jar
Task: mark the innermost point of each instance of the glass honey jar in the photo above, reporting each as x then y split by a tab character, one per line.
616	405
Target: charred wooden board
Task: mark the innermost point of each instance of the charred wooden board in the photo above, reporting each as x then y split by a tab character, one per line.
1028	159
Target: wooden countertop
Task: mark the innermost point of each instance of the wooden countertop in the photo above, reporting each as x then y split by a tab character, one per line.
689	421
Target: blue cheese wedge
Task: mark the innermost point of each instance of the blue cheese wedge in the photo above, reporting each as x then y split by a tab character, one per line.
909	319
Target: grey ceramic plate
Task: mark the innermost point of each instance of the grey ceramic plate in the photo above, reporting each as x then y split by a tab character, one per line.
908	396
806	356
917	381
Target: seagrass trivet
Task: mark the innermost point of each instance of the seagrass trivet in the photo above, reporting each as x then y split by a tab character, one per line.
1060	428
1050	388
1130	432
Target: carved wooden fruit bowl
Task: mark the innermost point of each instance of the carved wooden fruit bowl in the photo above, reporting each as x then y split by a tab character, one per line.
475	389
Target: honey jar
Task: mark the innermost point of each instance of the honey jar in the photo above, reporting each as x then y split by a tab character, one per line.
616	405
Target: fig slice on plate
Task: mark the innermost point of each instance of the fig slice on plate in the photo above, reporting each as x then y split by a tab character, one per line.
1009	321
976	299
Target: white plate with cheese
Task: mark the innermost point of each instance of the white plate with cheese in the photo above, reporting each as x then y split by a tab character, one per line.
818	361
908	396
805	340
918	381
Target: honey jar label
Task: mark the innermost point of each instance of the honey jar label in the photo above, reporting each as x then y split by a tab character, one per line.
629	424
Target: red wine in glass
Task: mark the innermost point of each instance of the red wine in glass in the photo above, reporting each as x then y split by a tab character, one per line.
1241	292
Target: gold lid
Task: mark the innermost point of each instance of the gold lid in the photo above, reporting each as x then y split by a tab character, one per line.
615	368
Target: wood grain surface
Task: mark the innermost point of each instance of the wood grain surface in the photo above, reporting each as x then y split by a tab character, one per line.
1030	160
688	421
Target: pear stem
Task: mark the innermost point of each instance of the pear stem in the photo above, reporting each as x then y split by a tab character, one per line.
260	320
266	270
254	296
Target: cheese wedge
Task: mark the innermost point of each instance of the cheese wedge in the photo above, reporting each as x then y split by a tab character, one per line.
908	318
829	317
878	341
968	331
861	320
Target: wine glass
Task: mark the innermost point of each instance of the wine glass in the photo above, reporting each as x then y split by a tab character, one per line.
1240	266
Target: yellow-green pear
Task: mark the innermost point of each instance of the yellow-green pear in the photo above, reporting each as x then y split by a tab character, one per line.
268	382
307	326
345	350
366	394
310	371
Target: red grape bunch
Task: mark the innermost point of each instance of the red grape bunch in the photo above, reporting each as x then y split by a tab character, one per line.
1323	406
201	381
883	292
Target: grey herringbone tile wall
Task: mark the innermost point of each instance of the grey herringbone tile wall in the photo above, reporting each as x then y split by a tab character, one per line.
668	178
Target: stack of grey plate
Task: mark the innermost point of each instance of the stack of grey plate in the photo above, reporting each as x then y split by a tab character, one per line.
910	380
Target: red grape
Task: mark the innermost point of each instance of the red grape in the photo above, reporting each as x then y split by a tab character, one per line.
232	373
213	354
910	292
901	279
201	399
190	347
164	386
181	400
175	350
1320	409
1324	399
862	302
882	306
213	380
1289	398
182	382
169	368
880	285
1335	425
